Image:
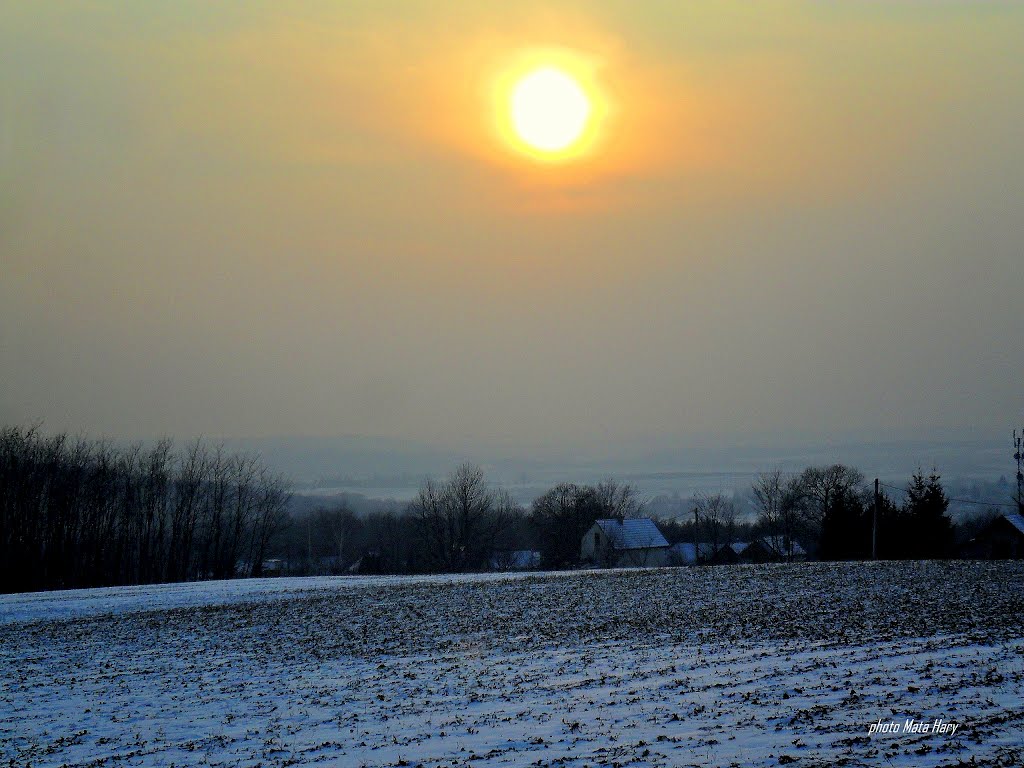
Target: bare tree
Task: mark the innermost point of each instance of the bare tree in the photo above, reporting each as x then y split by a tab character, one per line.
460	520
768	491
561	517
822	488
272	497
778	504
76	513
189	487
336	531
716	516
615	499
469	504
435	529
154	501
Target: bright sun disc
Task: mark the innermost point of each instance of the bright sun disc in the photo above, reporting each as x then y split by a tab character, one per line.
549	110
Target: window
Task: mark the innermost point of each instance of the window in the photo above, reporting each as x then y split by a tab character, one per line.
597	539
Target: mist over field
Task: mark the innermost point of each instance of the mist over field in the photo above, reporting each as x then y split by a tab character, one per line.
392	468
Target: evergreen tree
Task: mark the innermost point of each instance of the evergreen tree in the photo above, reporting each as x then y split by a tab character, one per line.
892	530
929	527
846	529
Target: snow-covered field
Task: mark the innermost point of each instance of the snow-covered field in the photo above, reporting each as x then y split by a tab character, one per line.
745	665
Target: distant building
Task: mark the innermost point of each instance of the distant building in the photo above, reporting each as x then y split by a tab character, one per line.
773	549
273	567
689	553
515	560
768	549
1003	539
730	553
633	542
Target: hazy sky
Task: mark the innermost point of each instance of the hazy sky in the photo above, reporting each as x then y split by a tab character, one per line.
259	218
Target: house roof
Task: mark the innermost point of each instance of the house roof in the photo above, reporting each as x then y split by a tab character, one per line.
1016	520
632	533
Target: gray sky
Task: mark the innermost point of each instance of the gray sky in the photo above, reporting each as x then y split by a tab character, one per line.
246	220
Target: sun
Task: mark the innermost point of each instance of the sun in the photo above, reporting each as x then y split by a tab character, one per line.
550	110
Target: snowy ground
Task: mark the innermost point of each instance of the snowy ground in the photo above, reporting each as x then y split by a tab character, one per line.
746	665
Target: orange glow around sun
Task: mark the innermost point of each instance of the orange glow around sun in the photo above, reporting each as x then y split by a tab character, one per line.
549	105
561	123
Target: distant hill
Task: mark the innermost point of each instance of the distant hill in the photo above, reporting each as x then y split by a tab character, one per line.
393	468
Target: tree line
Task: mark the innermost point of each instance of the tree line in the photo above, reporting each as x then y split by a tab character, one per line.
839	517
76	512
453	525
457	524
462	524
830	512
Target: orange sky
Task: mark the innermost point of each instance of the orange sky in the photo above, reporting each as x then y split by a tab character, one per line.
265	218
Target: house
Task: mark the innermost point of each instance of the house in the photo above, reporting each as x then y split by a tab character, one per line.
730	553
624	543
515	560
1003	539
773	549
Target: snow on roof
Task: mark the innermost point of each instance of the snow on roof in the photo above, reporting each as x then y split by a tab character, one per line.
632	533
1016	520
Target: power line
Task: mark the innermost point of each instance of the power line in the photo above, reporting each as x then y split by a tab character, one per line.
960	501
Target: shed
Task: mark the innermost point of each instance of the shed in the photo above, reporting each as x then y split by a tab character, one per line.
1002	539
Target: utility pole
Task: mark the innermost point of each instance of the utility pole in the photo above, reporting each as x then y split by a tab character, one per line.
1018	455
874	524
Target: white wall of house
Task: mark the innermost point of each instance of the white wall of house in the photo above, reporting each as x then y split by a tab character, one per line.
595	545
653	557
